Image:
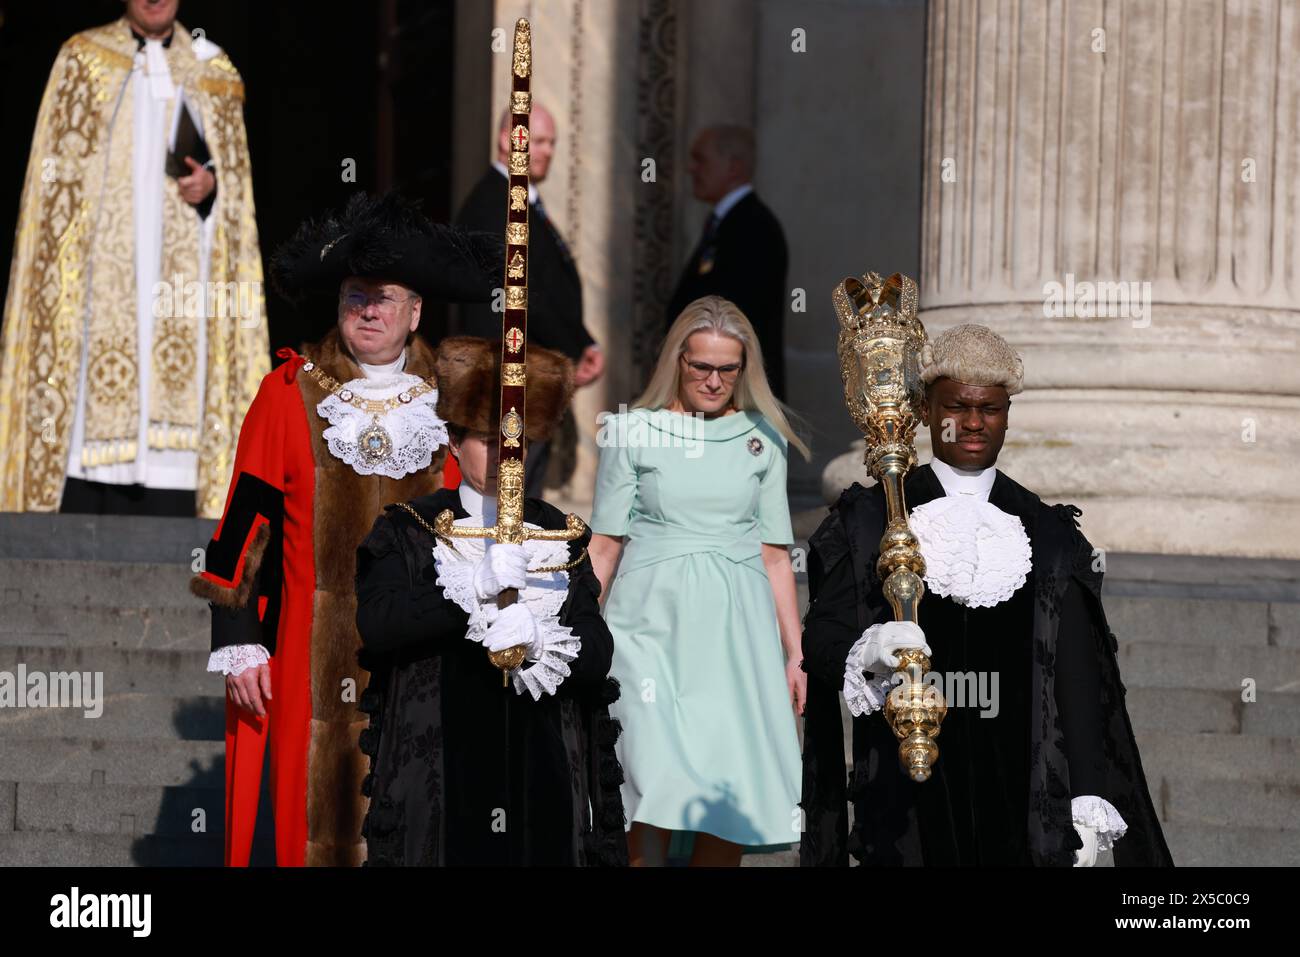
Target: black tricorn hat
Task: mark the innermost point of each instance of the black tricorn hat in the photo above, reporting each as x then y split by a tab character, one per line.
388	238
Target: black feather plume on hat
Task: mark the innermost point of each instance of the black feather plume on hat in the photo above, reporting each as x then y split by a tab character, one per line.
388	238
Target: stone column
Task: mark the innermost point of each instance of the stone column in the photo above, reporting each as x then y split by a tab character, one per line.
1099	142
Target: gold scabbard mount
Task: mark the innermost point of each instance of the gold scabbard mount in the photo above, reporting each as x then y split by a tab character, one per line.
879	347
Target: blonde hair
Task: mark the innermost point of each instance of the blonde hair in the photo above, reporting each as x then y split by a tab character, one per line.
752	393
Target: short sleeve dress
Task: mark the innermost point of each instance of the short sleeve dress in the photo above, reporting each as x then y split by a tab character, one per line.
709	741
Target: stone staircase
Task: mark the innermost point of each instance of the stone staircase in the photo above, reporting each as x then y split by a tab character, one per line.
1195	635
141	784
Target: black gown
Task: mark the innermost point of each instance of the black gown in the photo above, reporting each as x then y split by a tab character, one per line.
1000	793
464	771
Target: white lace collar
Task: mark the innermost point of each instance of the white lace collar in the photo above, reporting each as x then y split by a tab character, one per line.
395	443
975	553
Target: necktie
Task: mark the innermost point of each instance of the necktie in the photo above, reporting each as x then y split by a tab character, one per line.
710	229
707	250
545	220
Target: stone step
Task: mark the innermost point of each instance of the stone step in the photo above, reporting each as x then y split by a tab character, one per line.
1185	710
138	810
52	849
1185	800
166	629
103	538
99	762
1202	577
787	858
122	670
1217	757
1205	845
86	584
1273	715
1151	664
126	716
1188	621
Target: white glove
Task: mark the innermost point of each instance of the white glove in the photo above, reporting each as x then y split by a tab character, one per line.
886	638
515	625
1086	856
502	566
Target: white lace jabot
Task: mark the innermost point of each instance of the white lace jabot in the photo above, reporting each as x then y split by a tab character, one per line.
975	553
414	429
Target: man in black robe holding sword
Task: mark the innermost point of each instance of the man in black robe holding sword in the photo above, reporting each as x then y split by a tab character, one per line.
459	588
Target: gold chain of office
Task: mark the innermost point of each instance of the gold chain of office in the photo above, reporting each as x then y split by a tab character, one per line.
372	406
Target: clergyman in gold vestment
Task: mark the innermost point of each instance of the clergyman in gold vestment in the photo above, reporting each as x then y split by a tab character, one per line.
134	330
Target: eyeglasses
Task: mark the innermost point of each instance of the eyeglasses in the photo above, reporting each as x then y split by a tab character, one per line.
699	371
354	302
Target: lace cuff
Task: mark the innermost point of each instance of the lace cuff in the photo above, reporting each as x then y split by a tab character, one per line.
1100	814
236	659
456	578
550	655
863	695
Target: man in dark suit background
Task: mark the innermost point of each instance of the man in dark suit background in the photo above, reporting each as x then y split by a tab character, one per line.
742	254
554	286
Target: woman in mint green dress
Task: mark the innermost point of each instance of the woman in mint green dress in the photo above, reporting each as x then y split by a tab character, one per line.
692	524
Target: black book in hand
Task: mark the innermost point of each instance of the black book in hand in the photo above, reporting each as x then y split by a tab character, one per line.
188	143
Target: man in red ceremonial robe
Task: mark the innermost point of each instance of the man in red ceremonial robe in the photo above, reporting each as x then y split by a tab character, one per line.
331	438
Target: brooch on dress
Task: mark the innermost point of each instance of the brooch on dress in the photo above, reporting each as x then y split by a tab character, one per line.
755	446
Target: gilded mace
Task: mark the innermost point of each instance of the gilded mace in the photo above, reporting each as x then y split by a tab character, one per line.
879	347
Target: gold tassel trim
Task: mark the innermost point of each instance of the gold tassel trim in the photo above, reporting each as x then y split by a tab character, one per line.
112	452
181	438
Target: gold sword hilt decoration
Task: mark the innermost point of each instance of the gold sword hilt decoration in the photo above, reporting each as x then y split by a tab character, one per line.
879	347
509	527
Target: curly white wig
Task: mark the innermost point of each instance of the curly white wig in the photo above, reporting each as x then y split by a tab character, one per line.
975	355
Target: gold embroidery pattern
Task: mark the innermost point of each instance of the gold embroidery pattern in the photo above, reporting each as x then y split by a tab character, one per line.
174	415
46	303
42	335
238	348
